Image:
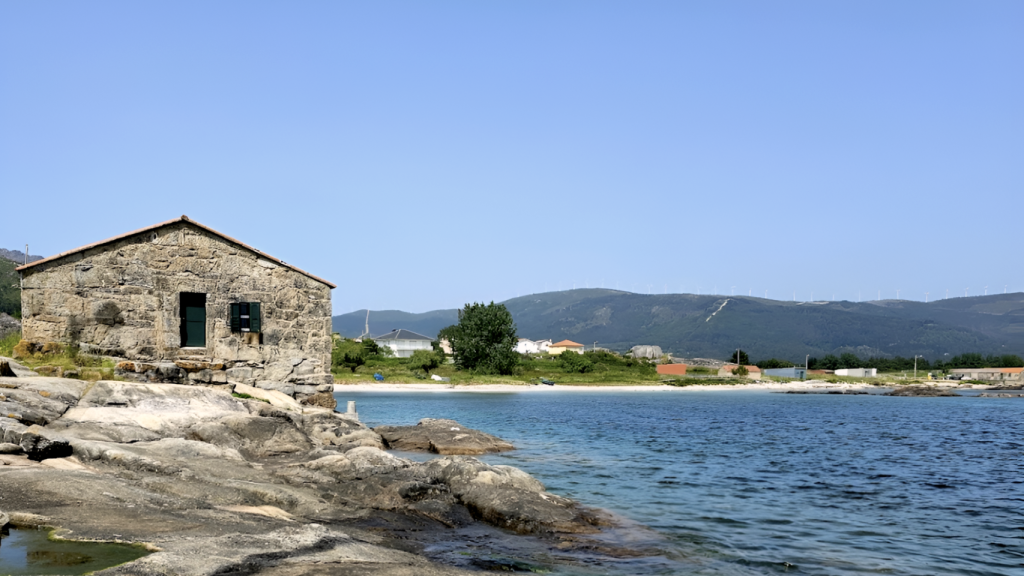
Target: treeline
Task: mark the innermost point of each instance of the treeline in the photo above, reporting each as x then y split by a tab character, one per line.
899	363
10	288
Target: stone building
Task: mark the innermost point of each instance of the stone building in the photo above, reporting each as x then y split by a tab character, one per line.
181	302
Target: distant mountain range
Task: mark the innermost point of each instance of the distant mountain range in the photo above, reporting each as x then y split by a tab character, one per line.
713	326
17	256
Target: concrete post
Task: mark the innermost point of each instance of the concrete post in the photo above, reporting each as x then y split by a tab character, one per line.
351	407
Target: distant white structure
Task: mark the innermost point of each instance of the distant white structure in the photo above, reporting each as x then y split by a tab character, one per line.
404	342
858	372
527	346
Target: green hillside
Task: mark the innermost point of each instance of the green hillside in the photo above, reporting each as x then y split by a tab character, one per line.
712	326
353	324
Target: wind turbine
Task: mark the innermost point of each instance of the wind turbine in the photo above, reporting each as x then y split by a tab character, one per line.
925	297
965	292
986	290
732	291
897	293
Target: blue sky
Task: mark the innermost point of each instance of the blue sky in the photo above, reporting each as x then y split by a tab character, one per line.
422	155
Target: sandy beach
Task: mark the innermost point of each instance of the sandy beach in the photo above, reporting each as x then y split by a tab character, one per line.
809	385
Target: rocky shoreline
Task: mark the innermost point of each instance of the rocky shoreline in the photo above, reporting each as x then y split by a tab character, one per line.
221	484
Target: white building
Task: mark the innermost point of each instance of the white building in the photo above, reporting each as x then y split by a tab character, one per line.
527	346
858	372
404	342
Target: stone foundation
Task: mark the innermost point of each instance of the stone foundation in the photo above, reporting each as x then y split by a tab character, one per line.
216	373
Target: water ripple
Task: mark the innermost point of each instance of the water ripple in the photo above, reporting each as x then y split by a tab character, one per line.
755	483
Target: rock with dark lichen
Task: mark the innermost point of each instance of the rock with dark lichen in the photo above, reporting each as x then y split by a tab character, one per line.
444	437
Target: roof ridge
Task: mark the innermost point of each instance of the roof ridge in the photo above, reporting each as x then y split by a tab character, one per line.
182	218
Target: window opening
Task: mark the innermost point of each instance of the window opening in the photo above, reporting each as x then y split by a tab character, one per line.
245	317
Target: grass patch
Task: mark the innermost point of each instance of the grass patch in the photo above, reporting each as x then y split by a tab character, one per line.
724	381
602	371
7	343
66	359
701	370
248	397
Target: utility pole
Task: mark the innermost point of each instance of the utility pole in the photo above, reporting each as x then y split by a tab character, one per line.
807	362
915	364
26	254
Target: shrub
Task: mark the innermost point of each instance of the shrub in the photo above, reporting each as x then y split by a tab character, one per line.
426	361
740	371
575	363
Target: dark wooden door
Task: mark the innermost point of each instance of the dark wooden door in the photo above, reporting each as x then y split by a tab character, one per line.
193	320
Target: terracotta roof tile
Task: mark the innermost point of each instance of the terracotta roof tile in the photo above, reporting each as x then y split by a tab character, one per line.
566	344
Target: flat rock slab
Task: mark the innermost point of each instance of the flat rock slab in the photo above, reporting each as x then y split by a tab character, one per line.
444	437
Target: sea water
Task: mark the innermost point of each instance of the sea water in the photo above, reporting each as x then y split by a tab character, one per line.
29	551
744	482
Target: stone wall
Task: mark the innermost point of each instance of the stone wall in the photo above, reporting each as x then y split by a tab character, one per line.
123	299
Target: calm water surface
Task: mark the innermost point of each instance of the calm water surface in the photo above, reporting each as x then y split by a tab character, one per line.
744	482
25	552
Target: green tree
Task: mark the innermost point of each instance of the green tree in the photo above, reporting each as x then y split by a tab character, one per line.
829	362
10	288
371	348
740	370
348	354
1011	361
426	360
774	363
739	357
849	360
484	340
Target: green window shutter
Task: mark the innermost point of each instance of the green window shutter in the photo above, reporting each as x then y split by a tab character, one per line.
254	317
236	318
